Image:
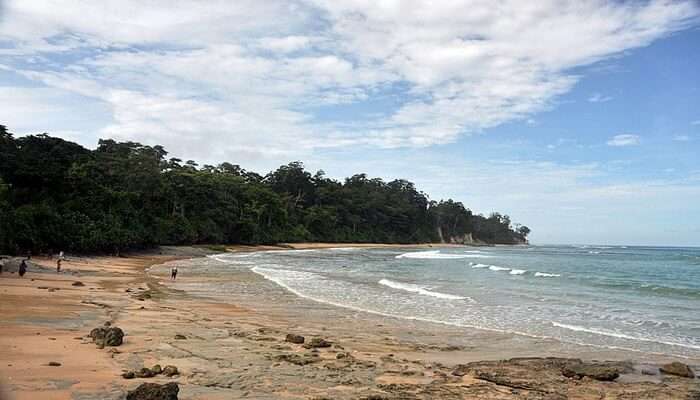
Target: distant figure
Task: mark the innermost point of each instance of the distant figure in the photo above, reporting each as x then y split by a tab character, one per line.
173	273
29	255
60	259
22	268
2	265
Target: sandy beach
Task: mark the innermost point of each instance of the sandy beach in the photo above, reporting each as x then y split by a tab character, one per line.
238	349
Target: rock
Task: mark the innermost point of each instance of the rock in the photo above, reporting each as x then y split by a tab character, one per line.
461	370
317	343
97	333
129	375
154	391
296	339
599	372
156	369
180	337
77	283
170	370
54	364
107	336
114	337
678	369
144	373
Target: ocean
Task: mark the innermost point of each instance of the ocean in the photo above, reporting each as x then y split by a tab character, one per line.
642	299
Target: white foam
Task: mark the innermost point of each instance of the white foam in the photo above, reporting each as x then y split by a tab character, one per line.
480	266
497	268
546	275
435	255
219	258
344	248
418	289
291	251
517	271
619	335
264	272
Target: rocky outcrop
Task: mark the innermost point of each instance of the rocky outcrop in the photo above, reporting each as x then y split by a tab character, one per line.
599	372
678	369
298	359
154	391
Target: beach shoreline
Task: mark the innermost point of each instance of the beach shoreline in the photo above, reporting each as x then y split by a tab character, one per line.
237	348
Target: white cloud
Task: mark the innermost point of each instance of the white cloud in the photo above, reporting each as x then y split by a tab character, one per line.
682	138
695	122
255	75
623	140
599	98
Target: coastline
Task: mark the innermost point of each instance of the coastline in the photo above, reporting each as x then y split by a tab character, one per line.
236	348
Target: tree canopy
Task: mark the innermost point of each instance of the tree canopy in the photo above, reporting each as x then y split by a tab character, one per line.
55	194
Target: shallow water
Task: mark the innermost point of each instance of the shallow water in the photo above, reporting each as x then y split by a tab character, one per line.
634	298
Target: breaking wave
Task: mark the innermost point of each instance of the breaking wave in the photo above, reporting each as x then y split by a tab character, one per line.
419	289
546	275
436	255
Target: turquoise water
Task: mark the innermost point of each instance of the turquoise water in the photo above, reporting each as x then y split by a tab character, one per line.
635	298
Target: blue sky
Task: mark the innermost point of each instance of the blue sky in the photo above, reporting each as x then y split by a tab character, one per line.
578	119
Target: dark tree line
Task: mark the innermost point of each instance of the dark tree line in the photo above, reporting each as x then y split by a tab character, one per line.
55	194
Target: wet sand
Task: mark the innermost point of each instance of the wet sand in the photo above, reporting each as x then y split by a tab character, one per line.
236	348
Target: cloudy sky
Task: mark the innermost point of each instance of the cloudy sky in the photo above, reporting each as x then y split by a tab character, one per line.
577	118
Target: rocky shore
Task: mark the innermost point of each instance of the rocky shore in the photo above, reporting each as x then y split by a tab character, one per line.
124	333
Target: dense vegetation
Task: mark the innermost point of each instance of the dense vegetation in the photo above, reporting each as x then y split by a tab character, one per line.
55	194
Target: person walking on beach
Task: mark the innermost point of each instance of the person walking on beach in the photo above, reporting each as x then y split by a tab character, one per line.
22	268
173	273
59	261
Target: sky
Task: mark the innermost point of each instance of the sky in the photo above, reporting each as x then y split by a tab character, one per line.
579	119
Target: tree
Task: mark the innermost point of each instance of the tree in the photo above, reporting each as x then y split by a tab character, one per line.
55	194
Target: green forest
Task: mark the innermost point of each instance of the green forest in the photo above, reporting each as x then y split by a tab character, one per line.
57	195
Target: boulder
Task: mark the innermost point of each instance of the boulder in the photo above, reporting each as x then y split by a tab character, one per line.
678	369
77	283
107	336
180	337
154	391
144	373
156	369
129	375
114	337
599	372
170	370
54	364
296	339
317	343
